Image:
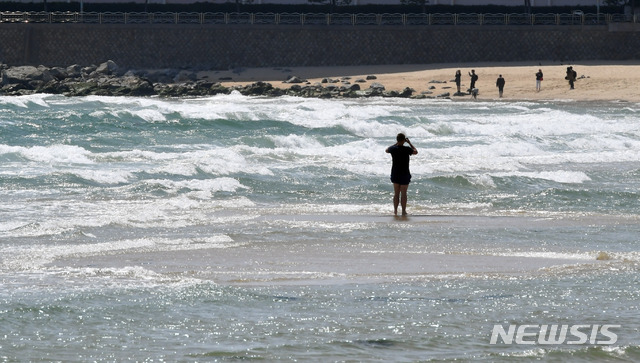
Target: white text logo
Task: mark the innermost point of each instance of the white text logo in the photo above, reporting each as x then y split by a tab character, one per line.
555	334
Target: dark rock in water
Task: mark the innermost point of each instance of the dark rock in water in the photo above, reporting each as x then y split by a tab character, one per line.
14	89
135	86
256	89
54	87
377	86
407	92
83	88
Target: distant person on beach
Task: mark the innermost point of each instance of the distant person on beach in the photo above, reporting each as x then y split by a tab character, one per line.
571	76
500	85
474	78
400	174
539	80
458	79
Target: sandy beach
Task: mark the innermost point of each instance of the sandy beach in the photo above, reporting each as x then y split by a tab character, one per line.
597	81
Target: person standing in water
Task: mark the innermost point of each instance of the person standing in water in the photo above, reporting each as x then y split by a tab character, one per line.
400	174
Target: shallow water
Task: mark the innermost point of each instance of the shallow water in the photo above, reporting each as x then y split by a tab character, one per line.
232	228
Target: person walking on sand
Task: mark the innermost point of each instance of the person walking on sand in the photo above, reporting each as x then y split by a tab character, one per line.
458	79
474	78
400	174
539	80
571	76
500	85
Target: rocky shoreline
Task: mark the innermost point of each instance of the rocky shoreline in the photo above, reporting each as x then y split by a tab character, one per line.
107	79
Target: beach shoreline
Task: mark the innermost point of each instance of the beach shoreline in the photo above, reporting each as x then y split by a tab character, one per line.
597	80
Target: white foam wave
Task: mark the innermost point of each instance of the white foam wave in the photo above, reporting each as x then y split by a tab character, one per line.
105	176
26	100
215	161
483	180
149	115
209	185
51	154
35	257
552	255
65	217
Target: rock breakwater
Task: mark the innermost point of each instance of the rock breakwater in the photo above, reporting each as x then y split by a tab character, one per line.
107	79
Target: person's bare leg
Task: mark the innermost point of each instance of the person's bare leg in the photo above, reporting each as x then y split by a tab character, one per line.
396	197
403	191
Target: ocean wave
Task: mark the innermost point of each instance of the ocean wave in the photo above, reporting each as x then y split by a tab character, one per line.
464	181
35	257
26	101
105	176
560	176
53	154
208	185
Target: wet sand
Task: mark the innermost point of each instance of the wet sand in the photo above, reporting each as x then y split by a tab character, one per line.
312	259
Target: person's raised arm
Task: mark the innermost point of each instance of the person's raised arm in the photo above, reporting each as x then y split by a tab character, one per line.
415	151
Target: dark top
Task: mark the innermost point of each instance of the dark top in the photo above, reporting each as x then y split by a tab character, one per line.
400	156
500	82
539	76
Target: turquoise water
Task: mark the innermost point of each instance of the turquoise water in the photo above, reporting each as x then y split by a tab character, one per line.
235	228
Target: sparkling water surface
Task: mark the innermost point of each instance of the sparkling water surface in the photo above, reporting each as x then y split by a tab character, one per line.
236	228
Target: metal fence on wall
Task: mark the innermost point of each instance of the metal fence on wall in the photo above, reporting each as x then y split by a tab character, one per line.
312	18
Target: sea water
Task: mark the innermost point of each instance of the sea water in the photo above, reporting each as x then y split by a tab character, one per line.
239	228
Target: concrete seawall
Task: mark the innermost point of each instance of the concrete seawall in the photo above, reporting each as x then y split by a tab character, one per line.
224	46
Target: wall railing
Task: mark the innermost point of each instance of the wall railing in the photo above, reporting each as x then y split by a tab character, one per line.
312	18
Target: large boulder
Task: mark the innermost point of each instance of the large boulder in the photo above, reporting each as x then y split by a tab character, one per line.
74	71
135	86
25	75
58	73
109	67
377	86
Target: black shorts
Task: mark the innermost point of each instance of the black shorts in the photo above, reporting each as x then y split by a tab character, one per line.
404	179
